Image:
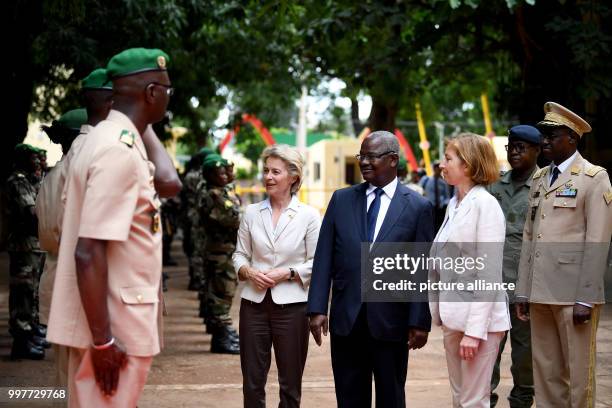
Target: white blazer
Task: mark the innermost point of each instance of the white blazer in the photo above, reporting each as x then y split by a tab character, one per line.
292	244
476	227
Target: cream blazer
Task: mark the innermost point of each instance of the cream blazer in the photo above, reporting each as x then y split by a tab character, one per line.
292	244
477	229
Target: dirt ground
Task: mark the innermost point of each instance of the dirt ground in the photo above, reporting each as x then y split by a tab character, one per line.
186	374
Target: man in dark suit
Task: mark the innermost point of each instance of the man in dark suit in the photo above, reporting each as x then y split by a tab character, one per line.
373	337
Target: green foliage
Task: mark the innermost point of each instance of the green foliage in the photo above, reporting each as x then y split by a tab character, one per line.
249	143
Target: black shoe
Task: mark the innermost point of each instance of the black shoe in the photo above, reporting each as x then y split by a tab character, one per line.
221	343
223	330
26	349
40	330
40	342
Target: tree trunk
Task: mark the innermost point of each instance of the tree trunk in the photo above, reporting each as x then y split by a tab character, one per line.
382	116
358	125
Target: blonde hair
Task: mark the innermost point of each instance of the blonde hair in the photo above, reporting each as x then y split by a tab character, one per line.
292	158
478	154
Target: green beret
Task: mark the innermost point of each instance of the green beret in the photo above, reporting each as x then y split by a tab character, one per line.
135	61
73	119
97	79
206	151
23	148
212	161
402	164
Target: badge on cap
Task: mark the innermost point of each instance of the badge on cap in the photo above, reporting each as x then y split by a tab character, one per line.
161	62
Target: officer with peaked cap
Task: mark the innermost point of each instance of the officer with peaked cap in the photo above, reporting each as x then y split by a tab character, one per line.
560	286
110	251
512	193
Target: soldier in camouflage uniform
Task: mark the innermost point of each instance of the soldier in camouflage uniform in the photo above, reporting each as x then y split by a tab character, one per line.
220	218
193	236
26	258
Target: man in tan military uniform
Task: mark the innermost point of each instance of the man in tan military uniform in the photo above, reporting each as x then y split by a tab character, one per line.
106	298
563	260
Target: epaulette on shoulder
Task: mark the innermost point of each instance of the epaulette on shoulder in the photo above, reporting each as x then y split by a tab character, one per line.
126	137
593	170
539	173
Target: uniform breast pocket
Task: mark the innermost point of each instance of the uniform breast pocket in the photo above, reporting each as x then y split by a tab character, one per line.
139	295
565	202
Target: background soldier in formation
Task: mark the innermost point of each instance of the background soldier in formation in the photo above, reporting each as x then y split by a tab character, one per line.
512	193
193	236
220	218
26	258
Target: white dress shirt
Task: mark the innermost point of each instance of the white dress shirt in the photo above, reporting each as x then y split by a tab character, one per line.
385	201
562	167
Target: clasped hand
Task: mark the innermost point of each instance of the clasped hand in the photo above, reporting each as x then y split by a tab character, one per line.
107	364
268	278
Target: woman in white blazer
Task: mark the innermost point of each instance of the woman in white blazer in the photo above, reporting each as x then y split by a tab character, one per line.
473	321
277	239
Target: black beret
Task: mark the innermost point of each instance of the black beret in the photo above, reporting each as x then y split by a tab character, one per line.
525	132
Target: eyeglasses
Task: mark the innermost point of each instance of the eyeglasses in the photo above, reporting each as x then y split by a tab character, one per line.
169	88
372	156
519	148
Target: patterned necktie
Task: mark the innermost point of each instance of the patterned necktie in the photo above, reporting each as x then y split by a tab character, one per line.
555	174
373	213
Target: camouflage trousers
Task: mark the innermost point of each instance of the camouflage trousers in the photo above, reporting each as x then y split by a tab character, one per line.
197	258
24	270
219	289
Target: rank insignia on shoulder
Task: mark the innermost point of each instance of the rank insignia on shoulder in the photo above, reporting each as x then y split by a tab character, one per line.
608	197
575	170
539	173
593	170
568	192
127	137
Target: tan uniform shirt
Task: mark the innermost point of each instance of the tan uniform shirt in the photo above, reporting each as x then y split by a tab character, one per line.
566	236
110	196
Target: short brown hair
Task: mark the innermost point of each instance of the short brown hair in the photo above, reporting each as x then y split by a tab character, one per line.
292	158
478	154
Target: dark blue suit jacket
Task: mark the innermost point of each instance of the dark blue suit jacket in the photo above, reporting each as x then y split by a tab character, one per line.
337	262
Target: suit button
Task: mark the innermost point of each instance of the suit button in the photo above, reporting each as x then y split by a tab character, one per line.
139	298
539	236
564	203
543	215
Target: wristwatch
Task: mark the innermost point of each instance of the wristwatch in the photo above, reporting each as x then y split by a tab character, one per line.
292	276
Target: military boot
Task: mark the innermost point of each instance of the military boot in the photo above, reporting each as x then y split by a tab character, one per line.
23	347
40	342
222	342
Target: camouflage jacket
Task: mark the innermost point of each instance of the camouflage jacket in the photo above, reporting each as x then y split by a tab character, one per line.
189	196
220	218
23	224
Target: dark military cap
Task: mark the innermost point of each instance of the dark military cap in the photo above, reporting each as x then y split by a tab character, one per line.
136	61
212	161
526	133
73	119
97	79
206	151
23	148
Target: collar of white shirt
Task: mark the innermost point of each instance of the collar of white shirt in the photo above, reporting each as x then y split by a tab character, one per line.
389	189
563	166
293	204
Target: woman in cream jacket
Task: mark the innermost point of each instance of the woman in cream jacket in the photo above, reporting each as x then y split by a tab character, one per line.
277	239
473	320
